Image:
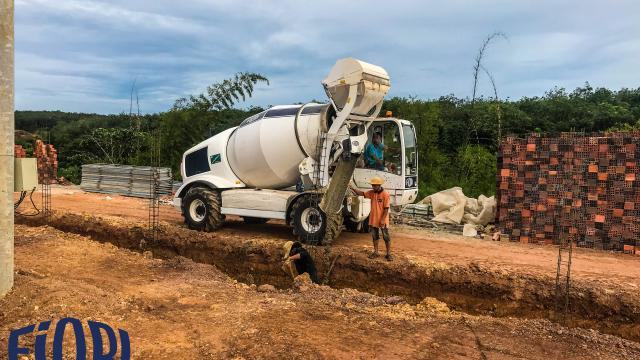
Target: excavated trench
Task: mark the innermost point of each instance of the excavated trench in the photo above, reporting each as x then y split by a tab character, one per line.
467	288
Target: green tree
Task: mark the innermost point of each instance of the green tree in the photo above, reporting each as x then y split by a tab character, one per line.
223	95
442	127
197	118
477	168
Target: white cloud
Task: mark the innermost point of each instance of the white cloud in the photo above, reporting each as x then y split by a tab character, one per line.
116	15
68	48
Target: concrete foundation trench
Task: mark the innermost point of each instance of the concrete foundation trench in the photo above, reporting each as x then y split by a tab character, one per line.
466	288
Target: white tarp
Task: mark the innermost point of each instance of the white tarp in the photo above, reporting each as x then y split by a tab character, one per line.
451	206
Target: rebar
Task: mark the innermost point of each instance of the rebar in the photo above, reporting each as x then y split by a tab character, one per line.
154	186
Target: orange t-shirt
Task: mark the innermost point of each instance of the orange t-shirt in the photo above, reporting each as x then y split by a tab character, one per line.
379	201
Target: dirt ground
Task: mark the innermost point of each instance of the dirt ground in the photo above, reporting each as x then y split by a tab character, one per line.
512	283
608	269
178	309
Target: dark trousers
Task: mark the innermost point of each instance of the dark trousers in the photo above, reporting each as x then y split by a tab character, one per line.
375	233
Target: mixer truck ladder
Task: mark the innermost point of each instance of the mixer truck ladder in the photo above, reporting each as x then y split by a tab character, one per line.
320	168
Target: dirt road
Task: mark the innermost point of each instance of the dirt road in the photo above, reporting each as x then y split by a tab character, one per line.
177	309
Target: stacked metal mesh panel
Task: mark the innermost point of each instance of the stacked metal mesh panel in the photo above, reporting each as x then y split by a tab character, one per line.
579	187
124	179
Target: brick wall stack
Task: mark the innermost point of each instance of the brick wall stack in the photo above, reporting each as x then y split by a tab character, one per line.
574	186
19	151
47	157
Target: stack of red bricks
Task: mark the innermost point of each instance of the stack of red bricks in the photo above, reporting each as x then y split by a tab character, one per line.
47	157
582	188
19	151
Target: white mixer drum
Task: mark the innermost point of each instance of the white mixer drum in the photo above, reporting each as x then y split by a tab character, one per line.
266	149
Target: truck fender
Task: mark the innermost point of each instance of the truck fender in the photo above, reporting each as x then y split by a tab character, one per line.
182	191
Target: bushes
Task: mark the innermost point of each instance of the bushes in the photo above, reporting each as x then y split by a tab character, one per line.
72	173
477	170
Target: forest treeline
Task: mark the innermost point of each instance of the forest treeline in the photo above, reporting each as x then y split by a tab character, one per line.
457	138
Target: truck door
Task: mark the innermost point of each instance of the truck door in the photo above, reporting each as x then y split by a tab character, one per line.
410	164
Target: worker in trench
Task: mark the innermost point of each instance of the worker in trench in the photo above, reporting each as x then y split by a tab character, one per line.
379	215
297	261
374	153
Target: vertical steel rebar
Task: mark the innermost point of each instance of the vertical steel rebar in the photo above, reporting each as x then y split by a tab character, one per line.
6	144
154	184
47	176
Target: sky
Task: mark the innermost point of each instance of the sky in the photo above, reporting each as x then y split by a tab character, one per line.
85	56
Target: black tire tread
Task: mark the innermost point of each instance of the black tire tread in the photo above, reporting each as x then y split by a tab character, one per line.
294	209
349	224
333	225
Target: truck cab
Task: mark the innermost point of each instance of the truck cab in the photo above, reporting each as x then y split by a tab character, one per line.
400	160
398	168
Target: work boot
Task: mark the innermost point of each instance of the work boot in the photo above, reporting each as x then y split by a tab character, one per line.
388	257
373	255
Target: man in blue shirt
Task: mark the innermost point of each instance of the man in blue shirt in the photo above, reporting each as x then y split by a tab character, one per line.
374	153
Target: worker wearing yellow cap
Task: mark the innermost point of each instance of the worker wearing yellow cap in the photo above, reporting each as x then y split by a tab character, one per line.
379	215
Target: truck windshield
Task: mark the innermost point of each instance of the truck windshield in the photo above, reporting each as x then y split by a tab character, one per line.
410	151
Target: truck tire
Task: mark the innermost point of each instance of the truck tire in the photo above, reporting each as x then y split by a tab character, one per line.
308	221
201	209
365	225
254	220
356	227
351	225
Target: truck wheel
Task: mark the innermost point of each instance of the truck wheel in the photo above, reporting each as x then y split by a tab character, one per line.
356	227
308	221
201	209
350	225
365	225
254	220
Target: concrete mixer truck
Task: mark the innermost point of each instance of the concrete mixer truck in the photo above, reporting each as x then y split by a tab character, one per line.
294	162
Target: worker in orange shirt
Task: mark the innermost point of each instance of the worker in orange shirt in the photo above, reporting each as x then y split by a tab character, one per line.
379	215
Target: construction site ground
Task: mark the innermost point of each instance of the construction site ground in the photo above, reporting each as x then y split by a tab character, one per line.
196	294
614	269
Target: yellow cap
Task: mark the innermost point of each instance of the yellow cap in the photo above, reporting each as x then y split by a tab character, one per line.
389	113
376	180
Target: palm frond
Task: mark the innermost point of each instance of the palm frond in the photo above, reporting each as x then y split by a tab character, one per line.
224	94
